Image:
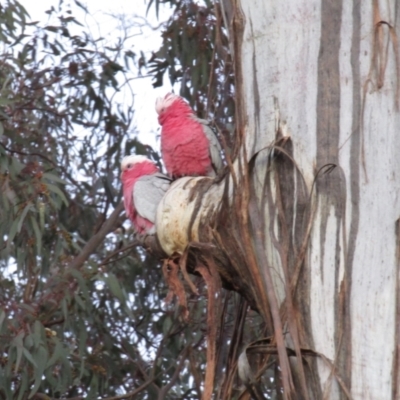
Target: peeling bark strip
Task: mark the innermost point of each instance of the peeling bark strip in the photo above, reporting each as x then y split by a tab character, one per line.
255	89
213	282
294	209
234	19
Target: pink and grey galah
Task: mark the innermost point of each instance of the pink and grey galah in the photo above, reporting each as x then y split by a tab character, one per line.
189	147
143	187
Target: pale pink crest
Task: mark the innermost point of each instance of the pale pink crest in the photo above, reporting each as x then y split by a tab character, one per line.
132	160
162	103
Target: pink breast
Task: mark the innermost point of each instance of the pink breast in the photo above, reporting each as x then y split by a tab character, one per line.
185	148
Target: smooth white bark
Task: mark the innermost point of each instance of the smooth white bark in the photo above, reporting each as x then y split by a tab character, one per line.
280	53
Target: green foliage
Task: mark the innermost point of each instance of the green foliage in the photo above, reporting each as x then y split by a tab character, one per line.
62	135
98	327
195	53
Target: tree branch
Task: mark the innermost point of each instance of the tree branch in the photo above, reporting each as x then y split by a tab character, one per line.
108	260
164	390
133	393
96	239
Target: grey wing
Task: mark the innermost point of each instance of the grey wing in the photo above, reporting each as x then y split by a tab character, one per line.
147	194
215	147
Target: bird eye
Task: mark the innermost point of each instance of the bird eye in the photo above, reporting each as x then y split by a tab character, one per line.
129	166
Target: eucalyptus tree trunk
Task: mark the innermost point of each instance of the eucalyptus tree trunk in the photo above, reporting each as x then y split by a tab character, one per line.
318	92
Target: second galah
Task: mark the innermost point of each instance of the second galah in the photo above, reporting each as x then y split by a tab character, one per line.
189	147
143	187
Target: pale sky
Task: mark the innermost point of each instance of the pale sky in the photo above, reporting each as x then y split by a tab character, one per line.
145	39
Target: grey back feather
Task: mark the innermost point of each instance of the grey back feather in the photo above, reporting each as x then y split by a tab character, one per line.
214	146
147	194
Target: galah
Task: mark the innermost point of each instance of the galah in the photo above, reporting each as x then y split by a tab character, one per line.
189	147
143	187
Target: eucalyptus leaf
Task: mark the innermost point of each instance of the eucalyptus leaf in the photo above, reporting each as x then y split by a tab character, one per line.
38	235
55	189
22	216
23	386
41	357
38	334
19	345
29	357
2	318
58	352
114	286
53	178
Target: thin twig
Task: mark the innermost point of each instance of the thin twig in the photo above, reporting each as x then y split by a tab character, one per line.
114	253
96	239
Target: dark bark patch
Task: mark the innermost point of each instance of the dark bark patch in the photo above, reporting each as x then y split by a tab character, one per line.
343	317
328	100
331	187
328	116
